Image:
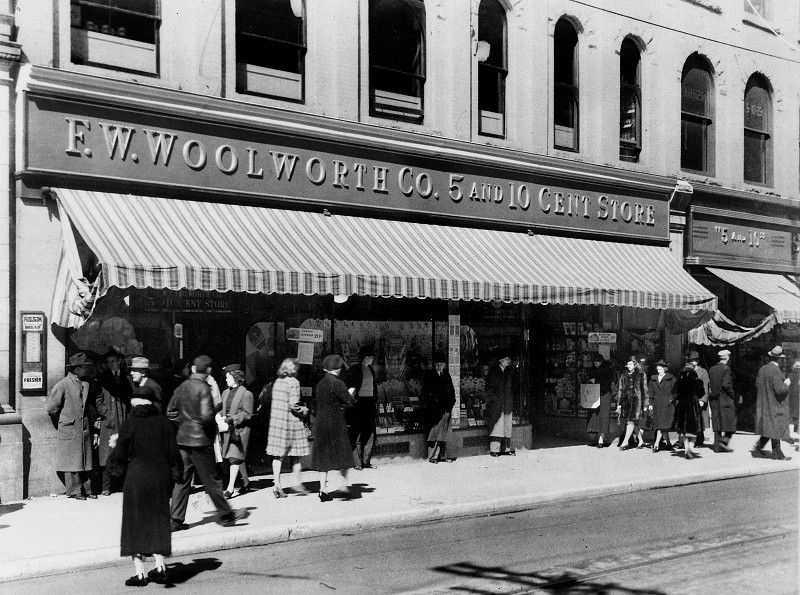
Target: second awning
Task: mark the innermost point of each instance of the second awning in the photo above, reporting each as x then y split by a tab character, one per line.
775	290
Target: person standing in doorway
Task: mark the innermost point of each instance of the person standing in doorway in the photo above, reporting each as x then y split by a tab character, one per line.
438	397
361	416
500	395
73	412
772	406
722	402
191	409
113	407
600	418
702	374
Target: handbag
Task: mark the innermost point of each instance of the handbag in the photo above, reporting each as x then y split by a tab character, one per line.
222	425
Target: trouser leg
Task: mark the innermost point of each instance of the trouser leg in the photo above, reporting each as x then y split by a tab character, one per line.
762	442
432	449
180	493
368	438
209	474
72	482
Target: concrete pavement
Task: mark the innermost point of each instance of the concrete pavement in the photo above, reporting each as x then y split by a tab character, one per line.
43	536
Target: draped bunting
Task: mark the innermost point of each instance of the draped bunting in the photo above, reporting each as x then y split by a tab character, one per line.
721	330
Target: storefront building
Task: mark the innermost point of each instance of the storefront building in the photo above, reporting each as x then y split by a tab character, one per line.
166	225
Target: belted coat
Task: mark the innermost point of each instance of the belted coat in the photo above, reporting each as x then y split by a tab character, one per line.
72	411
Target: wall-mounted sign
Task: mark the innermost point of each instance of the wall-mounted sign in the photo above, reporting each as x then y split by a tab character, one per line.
306	335
34	350
99	142
602	338
183	300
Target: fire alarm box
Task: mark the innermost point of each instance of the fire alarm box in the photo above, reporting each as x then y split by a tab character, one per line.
34	352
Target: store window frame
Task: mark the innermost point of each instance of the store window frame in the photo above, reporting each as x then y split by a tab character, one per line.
757	152
492	57
630	101
566	104
396	33
279	73
697	117
109	34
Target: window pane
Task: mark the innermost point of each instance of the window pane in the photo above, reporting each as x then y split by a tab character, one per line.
272	19
629	63
144	6
693	144
565	41
629	117
491	29
490	82
564	108
695	93
756	109
395	37
755	157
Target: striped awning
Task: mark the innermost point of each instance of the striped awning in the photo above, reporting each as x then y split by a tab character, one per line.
776	290
143	241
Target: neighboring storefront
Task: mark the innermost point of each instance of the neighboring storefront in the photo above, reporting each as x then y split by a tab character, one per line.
167	225
751	262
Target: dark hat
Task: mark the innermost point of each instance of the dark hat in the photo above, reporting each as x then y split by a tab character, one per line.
598	357
113	353
439	358
79	359
232	368
693	355
366	351
777	351
662	363
633	359
201	364
688	367
332	363
139	363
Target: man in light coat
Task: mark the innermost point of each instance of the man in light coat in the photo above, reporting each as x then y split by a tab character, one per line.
72	411
772	406
722	402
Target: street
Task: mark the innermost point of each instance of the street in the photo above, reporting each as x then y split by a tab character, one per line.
734	536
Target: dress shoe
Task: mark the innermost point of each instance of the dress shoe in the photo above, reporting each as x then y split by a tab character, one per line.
722	448
245	489
779	456
105	493
176	526
689	455
512	453
445	460
758	451
299	491
369	466
599	445
77	496
324	496
641	445
358	467
228	495
137	580
434	461
656	447
494	454
229	520
157	575
278	493
626	447
91	496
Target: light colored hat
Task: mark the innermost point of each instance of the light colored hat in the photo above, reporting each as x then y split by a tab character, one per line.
139	363
79	359
777	351
724	353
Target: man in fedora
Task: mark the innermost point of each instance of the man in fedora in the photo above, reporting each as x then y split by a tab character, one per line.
722	402
113	405
73	412
772	406
702	374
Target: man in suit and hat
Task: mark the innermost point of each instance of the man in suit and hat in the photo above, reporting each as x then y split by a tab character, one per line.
361	416
73	412
694	359
772	406
722	402
113	405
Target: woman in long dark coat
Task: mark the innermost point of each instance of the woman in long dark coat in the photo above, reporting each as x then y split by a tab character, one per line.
688	419
331	449
630	391
599	421
146	447
438	397
237	408
662	403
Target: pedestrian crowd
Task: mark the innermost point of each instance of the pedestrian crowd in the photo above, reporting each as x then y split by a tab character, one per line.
121	427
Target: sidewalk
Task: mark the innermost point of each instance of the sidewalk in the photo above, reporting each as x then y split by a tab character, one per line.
43	536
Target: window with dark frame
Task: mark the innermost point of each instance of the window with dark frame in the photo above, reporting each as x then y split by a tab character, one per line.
270	48
565	87
492	68
630	102
397	59
696	116
757	132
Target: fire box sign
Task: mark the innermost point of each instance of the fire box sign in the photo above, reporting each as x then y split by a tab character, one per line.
33	326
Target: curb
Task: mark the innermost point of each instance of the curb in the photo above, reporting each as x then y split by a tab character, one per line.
91	559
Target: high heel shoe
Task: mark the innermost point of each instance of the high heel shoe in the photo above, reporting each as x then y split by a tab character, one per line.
689	455
228	495
278	493
137	580
324	496
245	489
656	447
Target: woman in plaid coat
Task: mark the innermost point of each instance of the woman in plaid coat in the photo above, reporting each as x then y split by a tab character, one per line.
287	434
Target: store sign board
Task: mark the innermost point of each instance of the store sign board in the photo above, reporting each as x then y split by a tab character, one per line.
306	335
602	338
107	143
745	242
184	300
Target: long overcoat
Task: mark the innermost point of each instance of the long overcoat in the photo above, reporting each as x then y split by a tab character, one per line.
631	392
438	398
113	405
721	398
772	405
331	449
287	434
236	440
70	407
500	396
689	391
662	396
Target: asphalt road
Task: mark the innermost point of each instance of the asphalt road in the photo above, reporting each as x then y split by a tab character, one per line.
735	536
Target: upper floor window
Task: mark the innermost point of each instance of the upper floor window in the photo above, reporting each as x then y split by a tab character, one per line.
565	87
757	131
397	58
492	69
119	34
630	102
759	7
697	132
270	48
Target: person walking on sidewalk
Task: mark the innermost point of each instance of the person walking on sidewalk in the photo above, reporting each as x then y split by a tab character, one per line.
331	448
722	402
148	454
662	404
600	418
688	421
702	374
237	410
361	416
191	409
772	406
73	412
500	395
630	392
438	398
287	435
113	406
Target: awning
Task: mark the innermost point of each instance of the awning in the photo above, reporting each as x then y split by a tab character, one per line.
143	241
775	290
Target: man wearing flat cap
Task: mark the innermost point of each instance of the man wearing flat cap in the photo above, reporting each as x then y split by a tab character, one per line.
72	411
772	406
722	402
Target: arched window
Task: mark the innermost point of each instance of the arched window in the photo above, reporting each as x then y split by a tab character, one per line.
757	131
565	86
492	68
630	102
697	132
270	48
397	58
